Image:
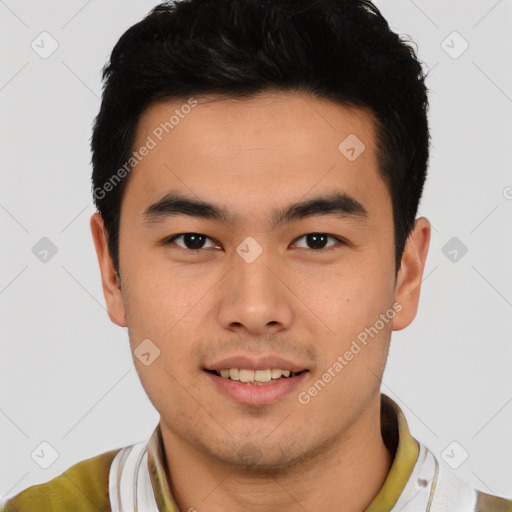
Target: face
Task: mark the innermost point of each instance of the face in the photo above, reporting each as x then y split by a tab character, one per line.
249	282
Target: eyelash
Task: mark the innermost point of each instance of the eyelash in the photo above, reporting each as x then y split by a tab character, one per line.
171	239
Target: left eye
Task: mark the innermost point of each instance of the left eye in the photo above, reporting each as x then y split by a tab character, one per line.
319	239
195	241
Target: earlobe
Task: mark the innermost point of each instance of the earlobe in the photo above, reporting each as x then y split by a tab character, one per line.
410	274
110	282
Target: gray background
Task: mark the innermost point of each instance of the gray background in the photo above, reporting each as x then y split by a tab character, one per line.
67	377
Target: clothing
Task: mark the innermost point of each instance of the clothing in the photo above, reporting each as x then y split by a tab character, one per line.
134	478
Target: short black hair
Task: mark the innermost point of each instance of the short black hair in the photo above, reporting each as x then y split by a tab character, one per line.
340	50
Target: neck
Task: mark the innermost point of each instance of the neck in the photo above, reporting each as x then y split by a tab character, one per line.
350	472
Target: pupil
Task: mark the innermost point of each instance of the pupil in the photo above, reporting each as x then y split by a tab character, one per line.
315	238
195	239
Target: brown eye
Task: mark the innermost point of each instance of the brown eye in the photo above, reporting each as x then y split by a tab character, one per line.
318	241
191	241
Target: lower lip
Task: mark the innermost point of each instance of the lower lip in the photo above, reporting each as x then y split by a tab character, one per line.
250	394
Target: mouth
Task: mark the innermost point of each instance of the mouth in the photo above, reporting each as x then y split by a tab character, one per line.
258	387
255	377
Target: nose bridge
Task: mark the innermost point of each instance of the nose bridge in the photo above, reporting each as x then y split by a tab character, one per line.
252	270
254	296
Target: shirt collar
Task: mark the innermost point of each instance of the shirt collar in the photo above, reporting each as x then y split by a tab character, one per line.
405	448
395	433
157	471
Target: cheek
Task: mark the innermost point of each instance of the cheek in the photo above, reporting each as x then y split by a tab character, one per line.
153	293
357	305
352	295
160	309
162	381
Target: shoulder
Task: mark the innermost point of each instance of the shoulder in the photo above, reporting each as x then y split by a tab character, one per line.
452	493
489	503
81	488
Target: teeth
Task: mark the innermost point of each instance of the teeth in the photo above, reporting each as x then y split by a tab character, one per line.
254	376
276	373
262	375
246	375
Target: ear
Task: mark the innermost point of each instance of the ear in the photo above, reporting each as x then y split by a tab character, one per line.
408	284
110	282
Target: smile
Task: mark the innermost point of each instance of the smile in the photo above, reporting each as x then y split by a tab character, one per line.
255	377
255	387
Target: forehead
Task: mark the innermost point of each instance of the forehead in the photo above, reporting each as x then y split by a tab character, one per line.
273	147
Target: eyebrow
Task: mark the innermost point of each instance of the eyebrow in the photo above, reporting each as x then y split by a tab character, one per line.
338	204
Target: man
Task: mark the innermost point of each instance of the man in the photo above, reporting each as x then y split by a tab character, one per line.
257	168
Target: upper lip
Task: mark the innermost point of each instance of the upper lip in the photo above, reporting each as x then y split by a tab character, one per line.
255	363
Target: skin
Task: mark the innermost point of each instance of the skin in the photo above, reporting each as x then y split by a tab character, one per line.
295	300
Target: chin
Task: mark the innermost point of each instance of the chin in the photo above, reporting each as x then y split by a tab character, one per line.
262	455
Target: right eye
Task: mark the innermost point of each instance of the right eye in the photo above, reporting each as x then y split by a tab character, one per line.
193	242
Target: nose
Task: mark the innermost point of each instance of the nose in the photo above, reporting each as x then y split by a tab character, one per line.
255	298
